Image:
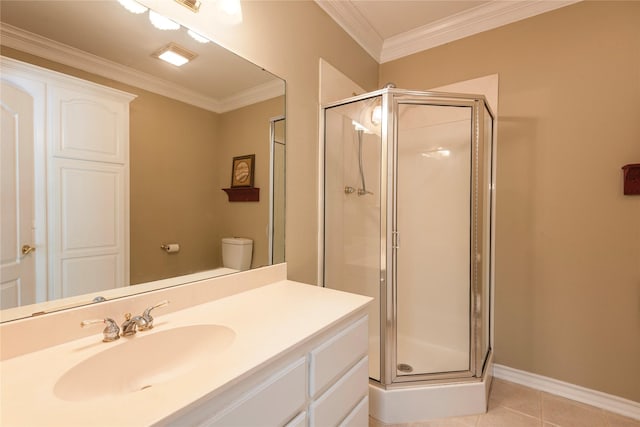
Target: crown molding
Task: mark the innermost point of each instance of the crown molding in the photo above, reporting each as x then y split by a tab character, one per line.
24	41
473	21
253	95
352	21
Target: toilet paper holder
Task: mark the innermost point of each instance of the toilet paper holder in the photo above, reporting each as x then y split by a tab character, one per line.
170	247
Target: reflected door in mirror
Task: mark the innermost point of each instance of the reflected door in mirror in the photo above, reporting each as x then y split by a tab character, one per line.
17	270
78	217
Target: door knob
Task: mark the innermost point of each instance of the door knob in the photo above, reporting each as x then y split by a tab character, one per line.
26	249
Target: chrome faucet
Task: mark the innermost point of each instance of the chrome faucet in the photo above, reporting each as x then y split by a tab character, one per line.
132	324
111	332
147	315
129	327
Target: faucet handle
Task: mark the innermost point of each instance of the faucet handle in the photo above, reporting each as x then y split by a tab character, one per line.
111	332
147	315
132	324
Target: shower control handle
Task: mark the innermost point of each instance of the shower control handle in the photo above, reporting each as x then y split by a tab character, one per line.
349	190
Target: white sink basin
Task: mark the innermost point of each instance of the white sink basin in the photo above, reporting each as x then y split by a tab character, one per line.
137	363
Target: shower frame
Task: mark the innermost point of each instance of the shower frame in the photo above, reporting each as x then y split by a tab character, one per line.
479	359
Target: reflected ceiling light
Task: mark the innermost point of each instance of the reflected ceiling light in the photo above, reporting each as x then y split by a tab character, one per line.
231	11
230	7
162	23
133	6
174	54
197	37
438	153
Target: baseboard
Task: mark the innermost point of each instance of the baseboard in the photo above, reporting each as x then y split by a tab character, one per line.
605	401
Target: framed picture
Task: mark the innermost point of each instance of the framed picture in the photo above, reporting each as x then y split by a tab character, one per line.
242	171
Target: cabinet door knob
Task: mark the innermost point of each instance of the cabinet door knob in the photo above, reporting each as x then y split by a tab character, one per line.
26	249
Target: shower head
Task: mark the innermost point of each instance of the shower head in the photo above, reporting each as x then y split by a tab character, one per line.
360	128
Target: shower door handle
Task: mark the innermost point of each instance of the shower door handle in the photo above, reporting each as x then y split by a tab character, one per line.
395	240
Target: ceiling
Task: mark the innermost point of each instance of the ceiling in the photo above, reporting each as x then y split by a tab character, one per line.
392	29
386	29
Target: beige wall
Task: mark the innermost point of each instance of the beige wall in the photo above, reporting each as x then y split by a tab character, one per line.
568	241
237	138
174	150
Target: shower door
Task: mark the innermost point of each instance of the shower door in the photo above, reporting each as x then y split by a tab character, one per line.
352	213
407	201
433	245
440	238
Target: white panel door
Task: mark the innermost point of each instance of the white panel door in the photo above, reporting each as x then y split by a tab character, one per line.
17	270
89	226
89	124
89	176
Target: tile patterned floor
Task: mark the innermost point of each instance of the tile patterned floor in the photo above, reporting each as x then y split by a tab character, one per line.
513	405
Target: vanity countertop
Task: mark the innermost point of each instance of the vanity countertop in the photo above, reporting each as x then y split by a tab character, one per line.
267	321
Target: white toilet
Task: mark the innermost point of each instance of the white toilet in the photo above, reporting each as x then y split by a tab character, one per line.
236	253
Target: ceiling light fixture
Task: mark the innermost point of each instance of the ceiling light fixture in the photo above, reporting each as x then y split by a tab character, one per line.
231	11
197	37
230	7
438	153
161	22
133	6
175	54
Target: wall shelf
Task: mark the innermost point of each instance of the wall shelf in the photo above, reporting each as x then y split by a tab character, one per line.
243	194
631	179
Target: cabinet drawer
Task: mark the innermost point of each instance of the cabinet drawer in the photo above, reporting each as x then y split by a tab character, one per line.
342	397
272	403
337	355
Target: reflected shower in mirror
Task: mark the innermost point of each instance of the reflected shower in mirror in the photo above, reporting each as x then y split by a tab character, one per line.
182	127
277	189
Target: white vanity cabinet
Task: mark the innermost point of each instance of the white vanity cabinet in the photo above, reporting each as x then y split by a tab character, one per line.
322	383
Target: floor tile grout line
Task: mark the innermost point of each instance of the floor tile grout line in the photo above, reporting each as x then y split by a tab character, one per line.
515	411
541	403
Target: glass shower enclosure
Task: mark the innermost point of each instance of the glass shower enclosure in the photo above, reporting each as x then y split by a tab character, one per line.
407	186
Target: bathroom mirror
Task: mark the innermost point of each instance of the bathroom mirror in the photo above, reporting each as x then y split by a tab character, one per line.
186	124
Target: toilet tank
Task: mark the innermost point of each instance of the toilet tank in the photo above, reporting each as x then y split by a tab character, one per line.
236	253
